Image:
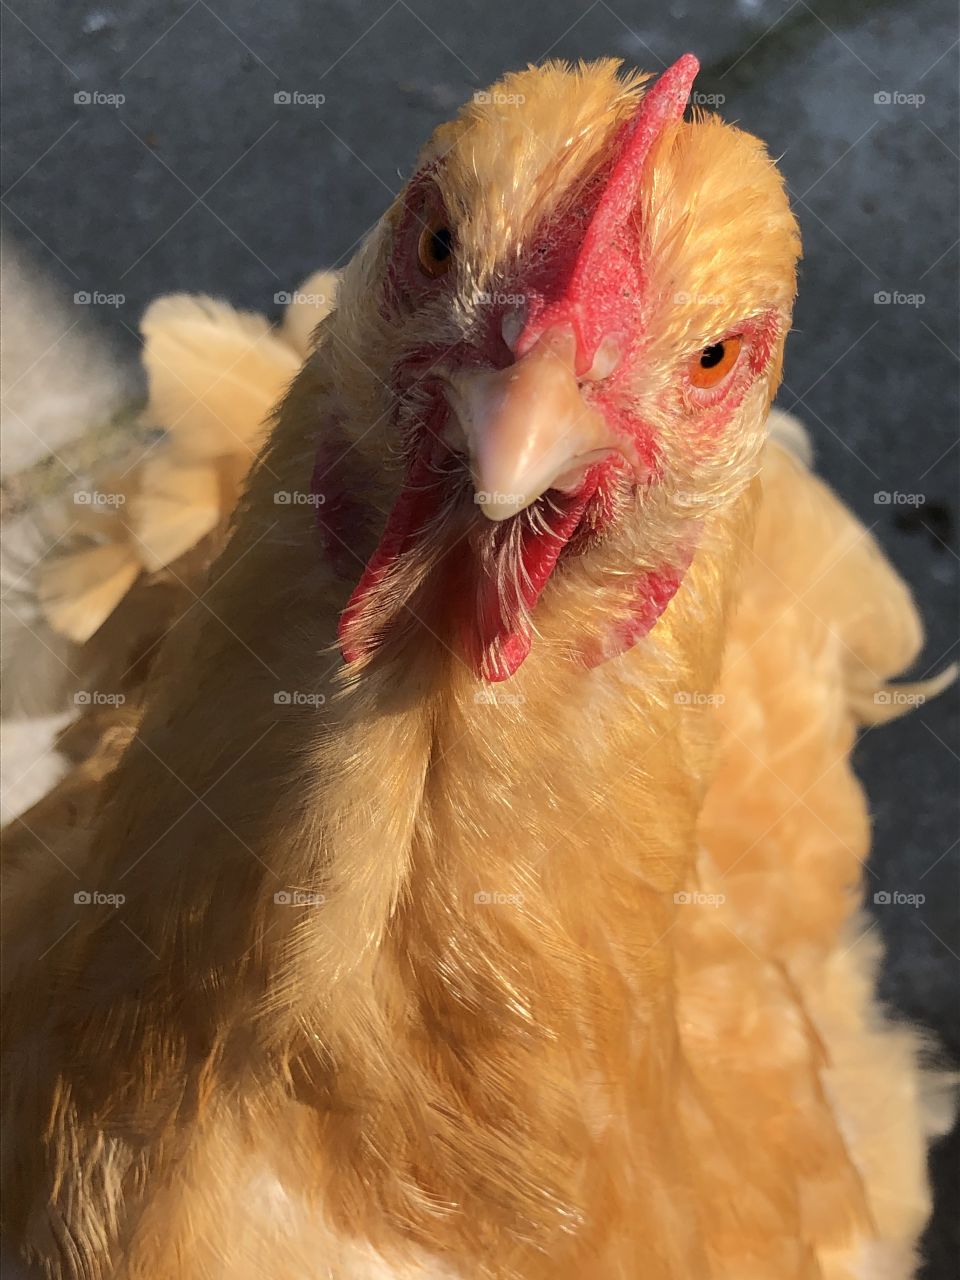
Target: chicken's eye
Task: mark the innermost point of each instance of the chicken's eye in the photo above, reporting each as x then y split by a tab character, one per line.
711	365
435	249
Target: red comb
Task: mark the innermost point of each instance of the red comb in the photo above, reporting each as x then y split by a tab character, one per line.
605	265
662	104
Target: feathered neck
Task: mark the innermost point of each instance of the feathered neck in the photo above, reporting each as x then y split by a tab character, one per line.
498	877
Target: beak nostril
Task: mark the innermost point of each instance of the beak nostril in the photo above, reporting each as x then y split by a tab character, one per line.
512	325
607	358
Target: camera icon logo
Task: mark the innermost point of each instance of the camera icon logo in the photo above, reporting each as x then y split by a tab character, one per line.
282	498
883	98
882	498
882	898
283	299
282	698
882	298
282	98
283	898
82	98
82	898
82	299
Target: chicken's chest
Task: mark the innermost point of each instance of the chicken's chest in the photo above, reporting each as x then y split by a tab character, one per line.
558	821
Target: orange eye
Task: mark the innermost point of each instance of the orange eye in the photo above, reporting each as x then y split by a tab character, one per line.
435	249
711	366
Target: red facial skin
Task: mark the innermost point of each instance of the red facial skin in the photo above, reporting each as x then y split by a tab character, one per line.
584	269
715	406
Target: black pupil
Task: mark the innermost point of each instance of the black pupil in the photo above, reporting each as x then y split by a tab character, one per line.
440	244
711	356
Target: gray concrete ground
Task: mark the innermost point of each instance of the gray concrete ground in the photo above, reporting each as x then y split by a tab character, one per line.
200	180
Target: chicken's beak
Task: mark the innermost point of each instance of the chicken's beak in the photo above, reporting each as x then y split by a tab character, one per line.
528	427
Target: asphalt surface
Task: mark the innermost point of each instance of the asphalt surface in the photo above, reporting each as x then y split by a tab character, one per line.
201	180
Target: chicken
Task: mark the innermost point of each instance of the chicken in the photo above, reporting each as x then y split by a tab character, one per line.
475	893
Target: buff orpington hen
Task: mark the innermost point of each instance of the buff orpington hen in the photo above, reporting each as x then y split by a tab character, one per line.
471	887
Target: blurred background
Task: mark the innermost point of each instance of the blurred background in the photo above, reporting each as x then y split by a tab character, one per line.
233	147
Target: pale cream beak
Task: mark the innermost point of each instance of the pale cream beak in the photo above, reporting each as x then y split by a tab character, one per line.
527	427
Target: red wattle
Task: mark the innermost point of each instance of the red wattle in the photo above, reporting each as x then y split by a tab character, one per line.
498	639
653	591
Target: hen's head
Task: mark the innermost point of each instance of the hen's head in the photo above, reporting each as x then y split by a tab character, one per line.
582	303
